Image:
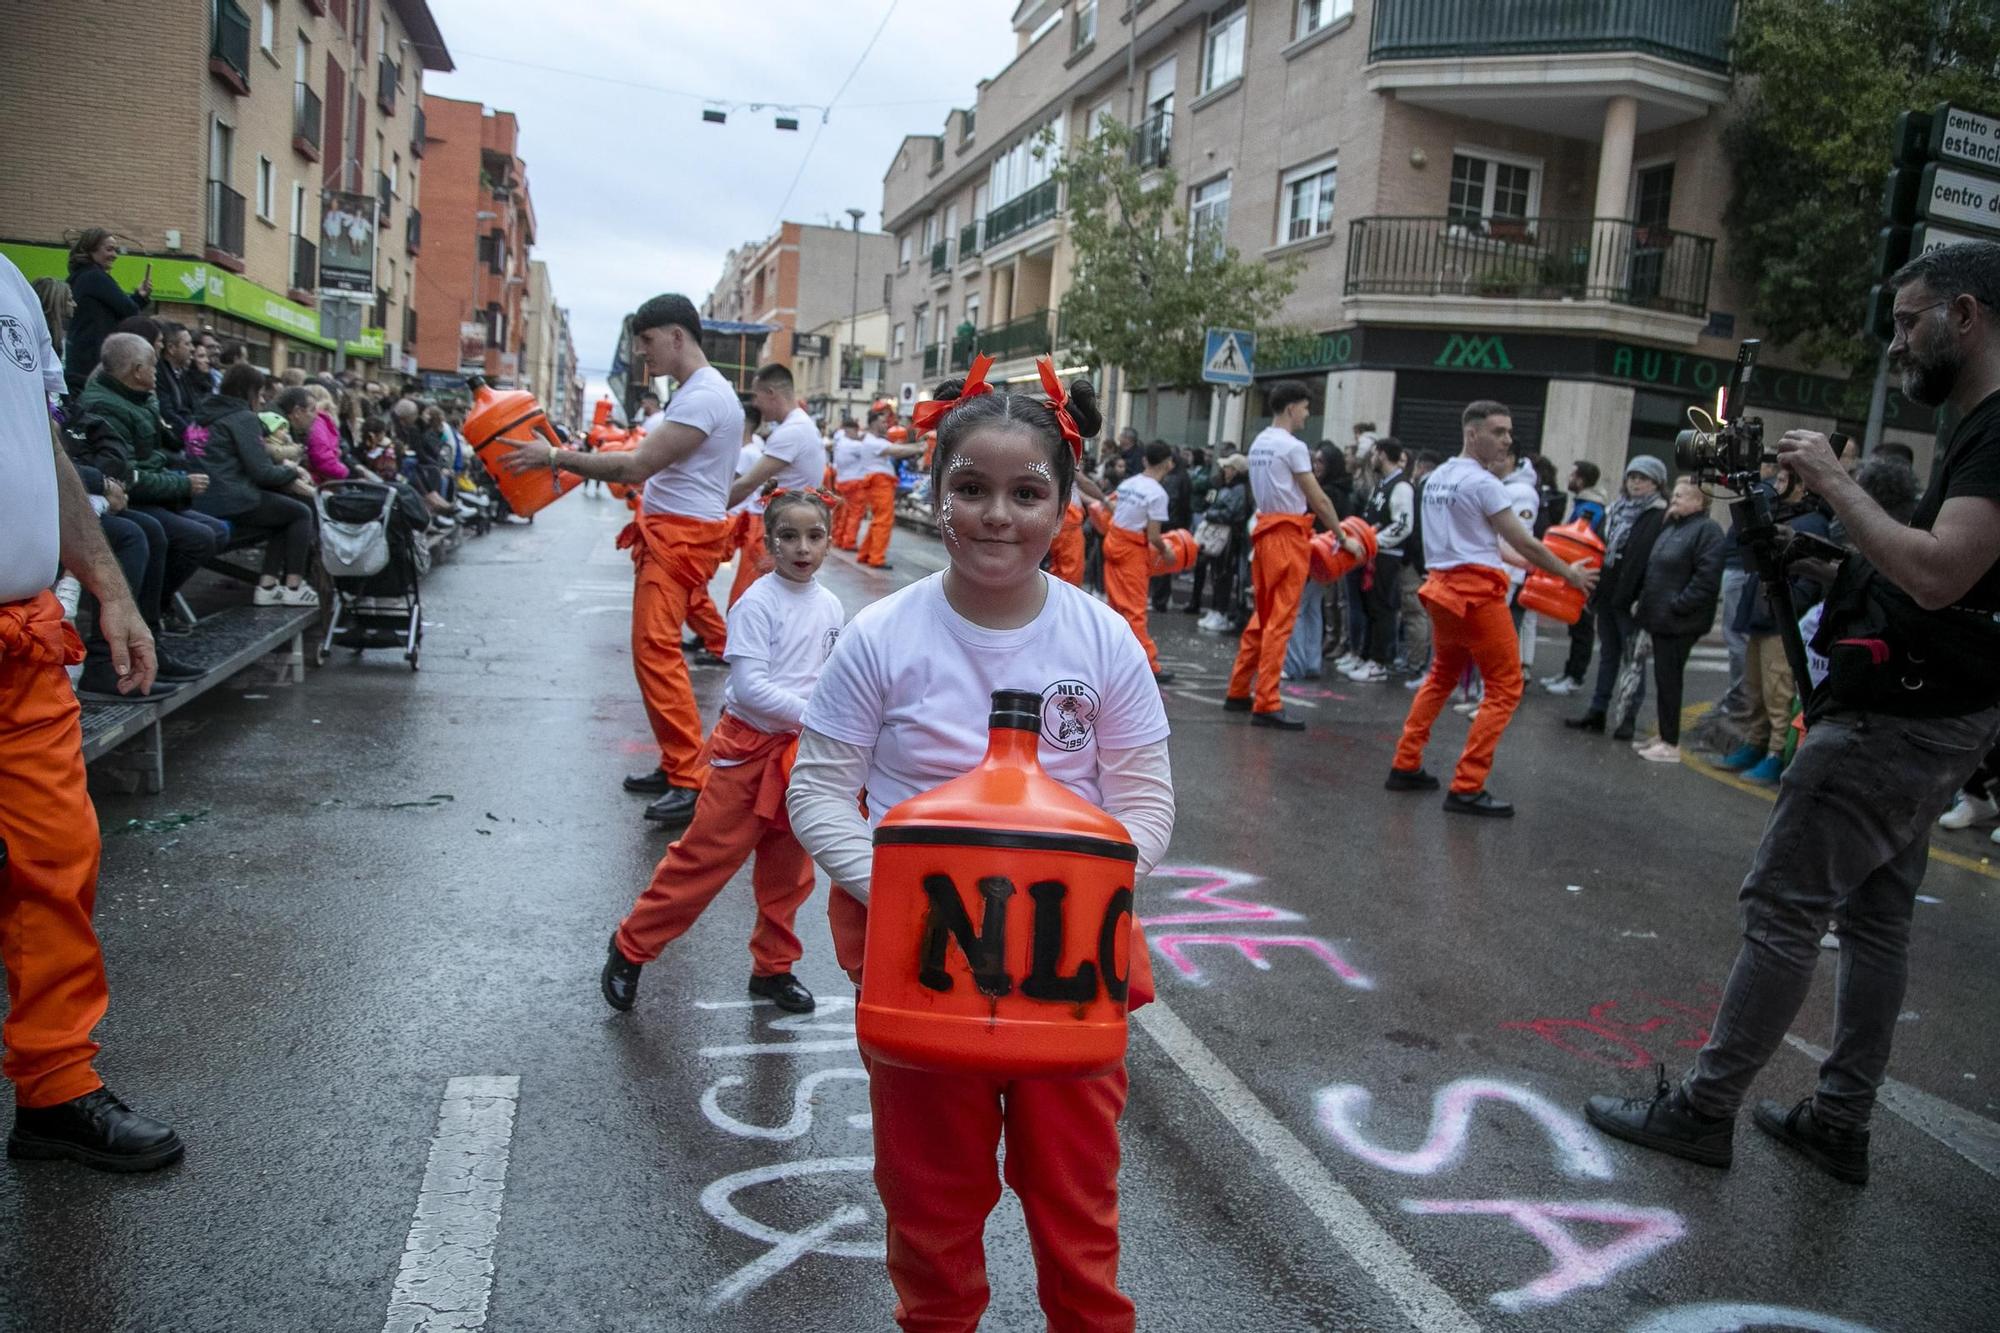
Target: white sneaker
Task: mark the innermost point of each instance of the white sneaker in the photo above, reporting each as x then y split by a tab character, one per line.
1829	941
1415	683
1996	837
1368	673
303	595
1969	810
1561	685
1468	709
1659	752
1345	661
271	596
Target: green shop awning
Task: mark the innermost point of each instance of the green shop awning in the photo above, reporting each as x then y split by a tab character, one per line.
191	282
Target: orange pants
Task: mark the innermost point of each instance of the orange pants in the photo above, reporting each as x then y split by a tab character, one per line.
741	811
49	846
847	520
1128	569
936	1136
1280	556
1066	551
753	559
676	557
1470	623
879	491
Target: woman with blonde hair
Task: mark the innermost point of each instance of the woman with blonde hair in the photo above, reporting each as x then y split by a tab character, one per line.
57	306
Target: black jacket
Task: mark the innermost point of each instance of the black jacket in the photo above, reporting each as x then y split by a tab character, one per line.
239	467
1683	577
1180	499
178	394
1618	587
100	304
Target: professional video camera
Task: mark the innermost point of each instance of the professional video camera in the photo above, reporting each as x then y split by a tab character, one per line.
1731	453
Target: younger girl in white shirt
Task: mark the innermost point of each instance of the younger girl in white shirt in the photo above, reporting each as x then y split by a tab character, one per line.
780	633
903	707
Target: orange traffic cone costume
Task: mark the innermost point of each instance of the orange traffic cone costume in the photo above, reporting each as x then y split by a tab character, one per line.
783	631
56	991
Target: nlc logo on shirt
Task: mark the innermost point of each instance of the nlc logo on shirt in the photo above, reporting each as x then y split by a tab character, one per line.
14	340
1069	714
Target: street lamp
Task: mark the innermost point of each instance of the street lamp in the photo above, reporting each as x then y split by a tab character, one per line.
854	311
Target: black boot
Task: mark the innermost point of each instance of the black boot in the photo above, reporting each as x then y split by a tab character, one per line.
1411	779
1591	721
620	978
171	668
1665	1123
96	1129
1481	802
1624	731
784	990
1841	1153
655	783
676	807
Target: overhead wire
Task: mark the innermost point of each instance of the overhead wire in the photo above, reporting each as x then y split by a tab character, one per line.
798	175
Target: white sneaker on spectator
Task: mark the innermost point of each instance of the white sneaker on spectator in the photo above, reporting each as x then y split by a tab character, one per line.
1829	941
1996	837
1562	685
1368	673
1659	752
1344	661
303	595
271	596
1969	810
1415	683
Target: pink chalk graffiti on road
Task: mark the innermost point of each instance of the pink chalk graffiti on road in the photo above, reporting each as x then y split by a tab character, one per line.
1343	1106
1646	1232
1208	893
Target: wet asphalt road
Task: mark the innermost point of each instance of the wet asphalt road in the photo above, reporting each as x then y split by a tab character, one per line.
1354	1108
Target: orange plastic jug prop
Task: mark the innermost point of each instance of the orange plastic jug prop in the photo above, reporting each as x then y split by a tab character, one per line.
1000	925
1181	552
1100	516
898	435
512	416
1330	561
622	442
1553	597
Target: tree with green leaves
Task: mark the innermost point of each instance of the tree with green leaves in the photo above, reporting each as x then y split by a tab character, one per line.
1145	285
1822	81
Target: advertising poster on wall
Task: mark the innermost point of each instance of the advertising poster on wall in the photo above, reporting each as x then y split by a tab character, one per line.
347	244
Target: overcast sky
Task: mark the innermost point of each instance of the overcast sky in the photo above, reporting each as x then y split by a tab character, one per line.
633	193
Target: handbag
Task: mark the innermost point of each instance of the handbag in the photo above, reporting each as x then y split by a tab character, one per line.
1212	538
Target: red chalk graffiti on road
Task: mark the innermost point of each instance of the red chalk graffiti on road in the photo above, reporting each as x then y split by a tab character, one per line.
1638	1037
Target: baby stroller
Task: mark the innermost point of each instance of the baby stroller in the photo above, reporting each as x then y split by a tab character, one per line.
372	544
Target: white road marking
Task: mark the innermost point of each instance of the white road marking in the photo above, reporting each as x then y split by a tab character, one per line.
1428	1305
446	1274
1972	1137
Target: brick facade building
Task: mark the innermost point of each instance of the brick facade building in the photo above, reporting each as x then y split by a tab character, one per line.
473	281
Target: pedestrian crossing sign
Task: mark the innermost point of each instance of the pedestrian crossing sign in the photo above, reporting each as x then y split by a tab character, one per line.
1229	356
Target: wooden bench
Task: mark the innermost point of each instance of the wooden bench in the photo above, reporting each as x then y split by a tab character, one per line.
223	644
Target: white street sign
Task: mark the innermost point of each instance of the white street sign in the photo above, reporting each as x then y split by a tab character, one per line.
1959	196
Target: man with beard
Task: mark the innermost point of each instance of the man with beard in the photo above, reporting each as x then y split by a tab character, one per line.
1910	705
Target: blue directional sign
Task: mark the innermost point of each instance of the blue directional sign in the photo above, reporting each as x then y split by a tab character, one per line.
1229	357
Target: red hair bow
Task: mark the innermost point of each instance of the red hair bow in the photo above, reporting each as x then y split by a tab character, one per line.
926	415
1058	402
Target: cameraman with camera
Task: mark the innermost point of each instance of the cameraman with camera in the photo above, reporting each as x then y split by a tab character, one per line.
1911	704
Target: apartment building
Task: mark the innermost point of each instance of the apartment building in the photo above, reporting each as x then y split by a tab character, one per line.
230	124
1510	200
473	279
803	276
549	356
840	367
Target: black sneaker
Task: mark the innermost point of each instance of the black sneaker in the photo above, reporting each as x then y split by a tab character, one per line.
784	990
1591	721
1481	802
99	682
1278	720
676	807
1411	779
1665	1123
620	978
171	668
708	659
1841	1153
1623	733
655	783
97	1130
1236	705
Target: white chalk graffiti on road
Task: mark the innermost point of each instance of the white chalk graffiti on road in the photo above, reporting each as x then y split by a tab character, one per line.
1343	1106
1646	1231
1734	1317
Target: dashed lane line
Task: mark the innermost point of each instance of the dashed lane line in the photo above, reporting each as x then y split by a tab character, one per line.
1428	1306
446	1275
1972	1137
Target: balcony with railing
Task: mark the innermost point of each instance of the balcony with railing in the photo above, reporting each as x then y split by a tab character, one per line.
940	258
413	232
418	132
305	122
224	235
1017	215
1485	267
229	45
1027	336
1153	141
305	265
934	356
1688	32
388	79
971	240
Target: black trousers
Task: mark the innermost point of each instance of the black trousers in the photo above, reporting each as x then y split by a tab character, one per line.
1582	637
284	524
190	542
1384	601
1670	659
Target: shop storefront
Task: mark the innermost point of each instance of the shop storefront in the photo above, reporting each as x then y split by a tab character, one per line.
279	333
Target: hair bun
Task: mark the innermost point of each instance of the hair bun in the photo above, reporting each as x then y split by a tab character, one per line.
949	391
1083	407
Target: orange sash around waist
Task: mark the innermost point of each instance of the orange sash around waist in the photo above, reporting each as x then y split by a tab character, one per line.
35	631
734	743
1460	588
688	548
1272	524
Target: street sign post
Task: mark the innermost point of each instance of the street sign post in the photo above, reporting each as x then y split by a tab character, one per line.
339	320
1229	358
